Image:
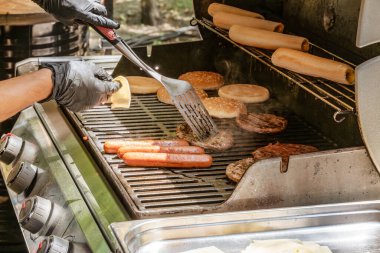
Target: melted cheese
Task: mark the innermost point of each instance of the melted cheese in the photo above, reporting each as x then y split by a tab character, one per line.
122	97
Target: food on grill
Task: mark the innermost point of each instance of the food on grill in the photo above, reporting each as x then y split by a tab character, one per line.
167	160
111	147
261	123
312	65
285	246
122	97
143	85
204	80
225	20
254	37
211	249
221	141
164	96
220	107
282	149
236	170
246	93
161	149
216	7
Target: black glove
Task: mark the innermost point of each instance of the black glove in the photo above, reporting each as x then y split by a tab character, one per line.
80	85
68	11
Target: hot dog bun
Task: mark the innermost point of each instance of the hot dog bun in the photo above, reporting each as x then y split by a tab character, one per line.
216	7
164	96
204	80
312	65
143	85
246	93
253	37
225	20
219	107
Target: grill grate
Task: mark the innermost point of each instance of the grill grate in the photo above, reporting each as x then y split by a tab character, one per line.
177	189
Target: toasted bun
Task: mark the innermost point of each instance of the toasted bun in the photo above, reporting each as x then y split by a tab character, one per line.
143	85
204	80
219	107
164	96
246	93
122	97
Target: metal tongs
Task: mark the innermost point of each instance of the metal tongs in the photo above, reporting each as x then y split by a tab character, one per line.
183	94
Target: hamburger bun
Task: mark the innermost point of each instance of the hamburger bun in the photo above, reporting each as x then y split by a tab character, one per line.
204	80
164	97
143	85
246	93
219	107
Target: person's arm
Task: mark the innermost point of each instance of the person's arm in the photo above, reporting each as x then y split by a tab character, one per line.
22	91
75	85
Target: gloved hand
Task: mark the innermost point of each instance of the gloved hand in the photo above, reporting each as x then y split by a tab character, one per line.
80	85
68	11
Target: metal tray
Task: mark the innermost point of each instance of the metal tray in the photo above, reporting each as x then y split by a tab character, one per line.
345	228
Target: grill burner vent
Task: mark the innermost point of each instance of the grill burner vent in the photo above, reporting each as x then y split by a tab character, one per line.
159	191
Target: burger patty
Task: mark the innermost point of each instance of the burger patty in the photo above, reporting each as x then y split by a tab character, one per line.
282	150
261	123
236	170
221	141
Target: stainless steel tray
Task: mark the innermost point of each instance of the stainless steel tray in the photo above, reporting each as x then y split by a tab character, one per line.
345	228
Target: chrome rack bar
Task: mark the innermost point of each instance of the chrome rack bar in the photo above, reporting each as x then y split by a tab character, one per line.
337	96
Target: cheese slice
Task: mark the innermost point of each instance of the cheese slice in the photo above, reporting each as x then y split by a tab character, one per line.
211	249
122	97
285	246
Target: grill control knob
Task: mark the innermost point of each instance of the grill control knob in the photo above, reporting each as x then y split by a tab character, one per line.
21	177
34	213
53	244
10	147
13	148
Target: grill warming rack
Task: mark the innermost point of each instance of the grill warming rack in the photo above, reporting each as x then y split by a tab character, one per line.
340	97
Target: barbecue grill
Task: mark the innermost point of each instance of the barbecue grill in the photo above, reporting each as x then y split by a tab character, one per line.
99	189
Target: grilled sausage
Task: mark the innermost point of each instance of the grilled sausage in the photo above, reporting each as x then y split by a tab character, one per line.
226	20
266	39
312	65
216	7
160	149
111	147
167	160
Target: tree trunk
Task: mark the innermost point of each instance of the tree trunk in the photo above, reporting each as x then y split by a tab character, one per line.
149	12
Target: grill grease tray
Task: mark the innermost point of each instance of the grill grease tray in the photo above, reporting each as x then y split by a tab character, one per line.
159	191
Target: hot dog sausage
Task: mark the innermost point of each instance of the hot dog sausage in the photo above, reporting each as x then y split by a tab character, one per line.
226	20
266	39
111	147
167	160
312	65
216	7
160	149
